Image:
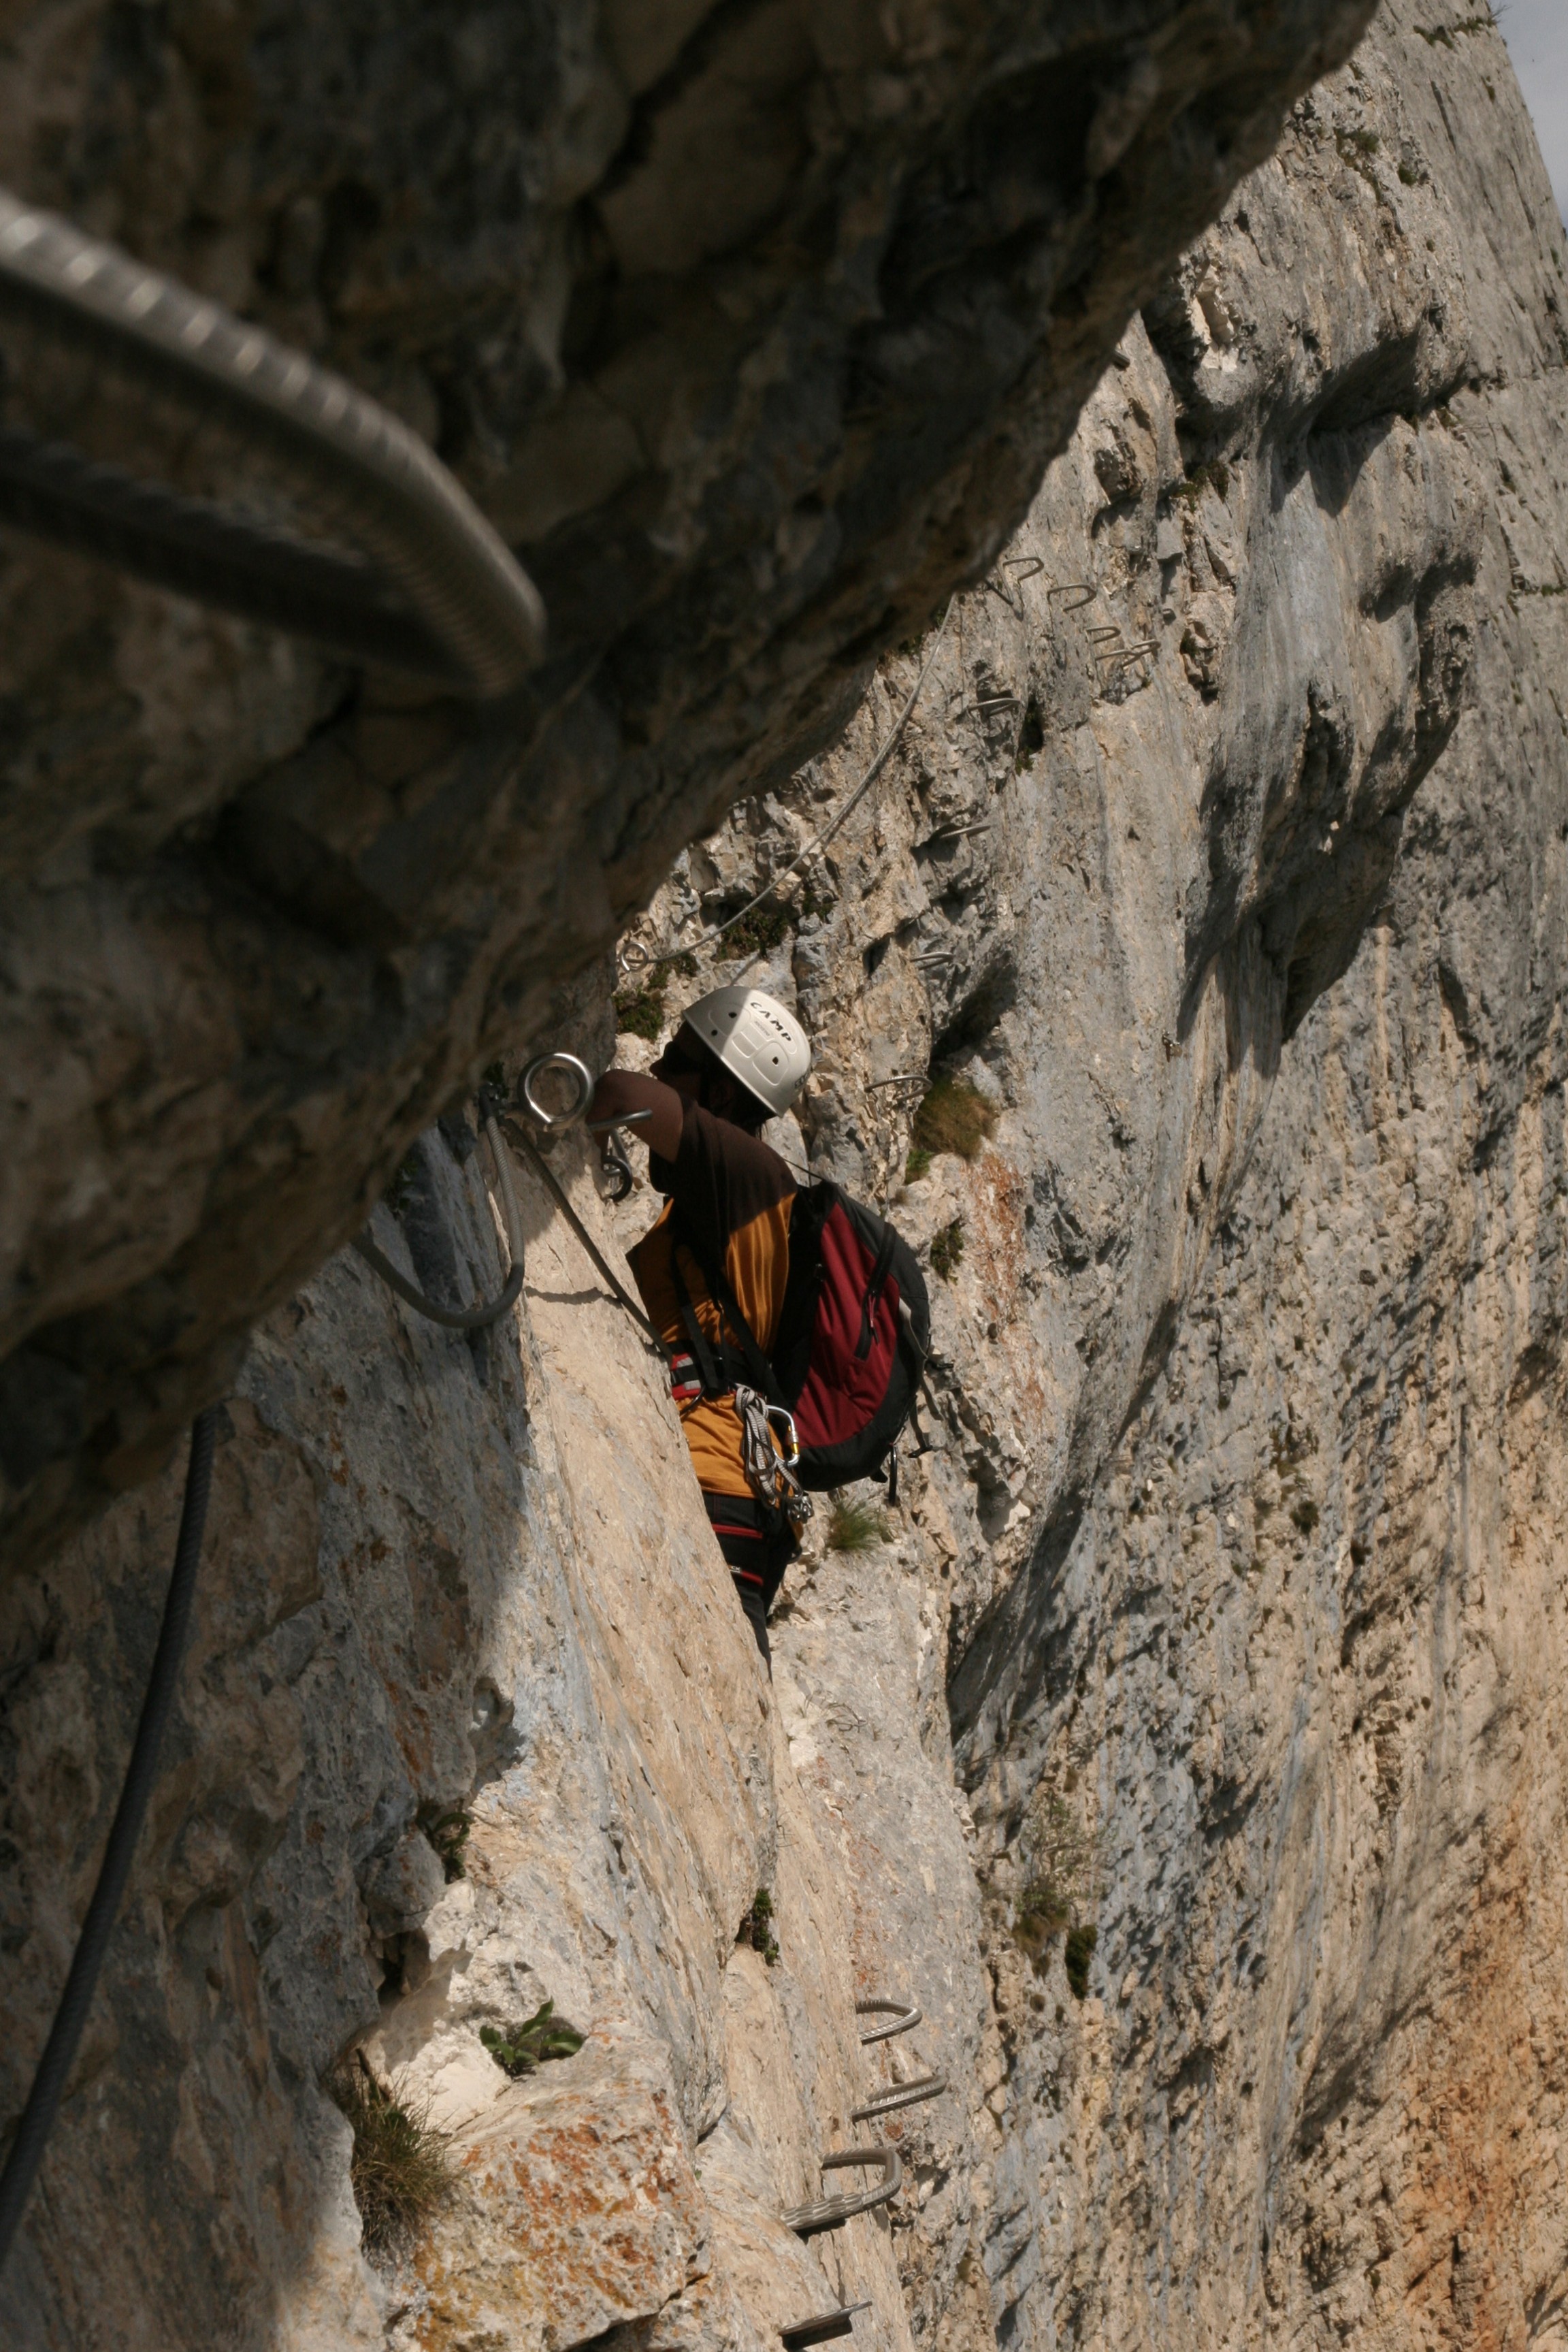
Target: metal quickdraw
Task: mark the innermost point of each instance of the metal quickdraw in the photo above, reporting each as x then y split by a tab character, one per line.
770	1472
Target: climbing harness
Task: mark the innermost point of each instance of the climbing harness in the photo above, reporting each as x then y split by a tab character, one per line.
261	483
832	2212
37	2117
646	962
823	2328
904	2019
901	2095
464	1319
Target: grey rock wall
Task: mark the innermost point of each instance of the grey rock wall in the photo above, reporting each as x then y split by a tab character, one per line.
752	328
1222	1619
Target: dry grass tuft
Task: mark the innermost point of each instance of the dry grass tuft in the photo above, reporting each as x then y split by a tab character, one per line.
400	2170
851	1526
955	1117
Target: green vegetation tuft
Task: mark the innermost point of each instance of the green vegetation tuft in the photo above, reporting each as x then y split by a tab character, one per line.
765	926
948	1250
1215	474
639	1009
917	1165
955	1117
851	1526
756	1927
400	2170
534	2043
640	1012
1061	1884
1077	1953
447	1832
1041	1912
756	932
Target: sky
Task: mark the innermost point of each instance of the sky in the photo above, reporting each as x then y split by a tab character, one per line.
1536	32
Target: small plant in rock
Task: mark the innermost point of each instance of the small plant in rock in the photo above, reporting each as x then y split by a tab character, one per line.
948	1250
640	1012
917	1165
400	2170
1062	1883
756	1928
1041	1913
851	1526
1077	1953
533	2044
447	1832
955	1117
756	932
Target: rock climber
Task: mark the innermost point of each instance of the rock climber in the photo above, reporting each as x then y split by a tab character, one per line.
737	1060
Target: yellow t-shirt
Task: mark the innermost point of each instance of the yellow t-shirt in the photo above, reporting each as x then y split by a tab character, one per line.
733	1196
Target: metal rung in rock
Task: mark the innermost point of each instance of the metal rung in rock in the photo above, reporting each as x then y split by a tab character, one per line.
832	2212
905	2017
823	2328
901	2095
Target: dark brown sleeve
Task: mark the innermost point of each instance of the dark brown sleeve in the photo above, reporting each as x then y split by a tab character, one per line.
722	1178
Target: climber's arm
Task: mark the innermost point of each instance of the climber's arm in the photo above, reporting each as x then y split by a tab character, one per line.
621	1091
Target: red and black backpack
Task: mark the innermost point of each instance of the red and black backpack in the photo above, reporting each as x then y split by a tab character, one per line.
854	1335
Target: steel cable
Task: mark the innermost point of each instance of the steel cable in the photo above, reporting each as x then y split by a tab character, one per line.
463	1319
37	2117
821	839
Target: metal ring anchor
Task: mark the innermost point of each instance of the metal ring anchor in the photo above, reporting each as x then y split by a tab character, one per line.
1084	589
823	2328
1025	566
556	1122
901	2095
832	2212
425	584
906	2017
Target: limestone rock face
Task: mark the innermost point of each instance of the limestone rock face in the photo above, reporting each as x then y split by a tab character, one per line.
751	327
1181	1738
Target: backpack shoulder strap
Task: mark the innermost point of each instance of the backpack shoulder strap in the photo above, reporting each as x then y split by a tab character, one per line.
757	1364
711	1369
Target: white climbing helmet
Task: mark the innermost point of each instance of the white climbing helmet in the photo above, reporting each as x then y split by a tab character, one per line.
758	1042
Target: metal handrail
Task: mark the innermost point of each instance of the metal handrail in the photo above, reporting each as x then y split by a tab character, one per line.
901	2095
832	2212
905	2018
461	606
